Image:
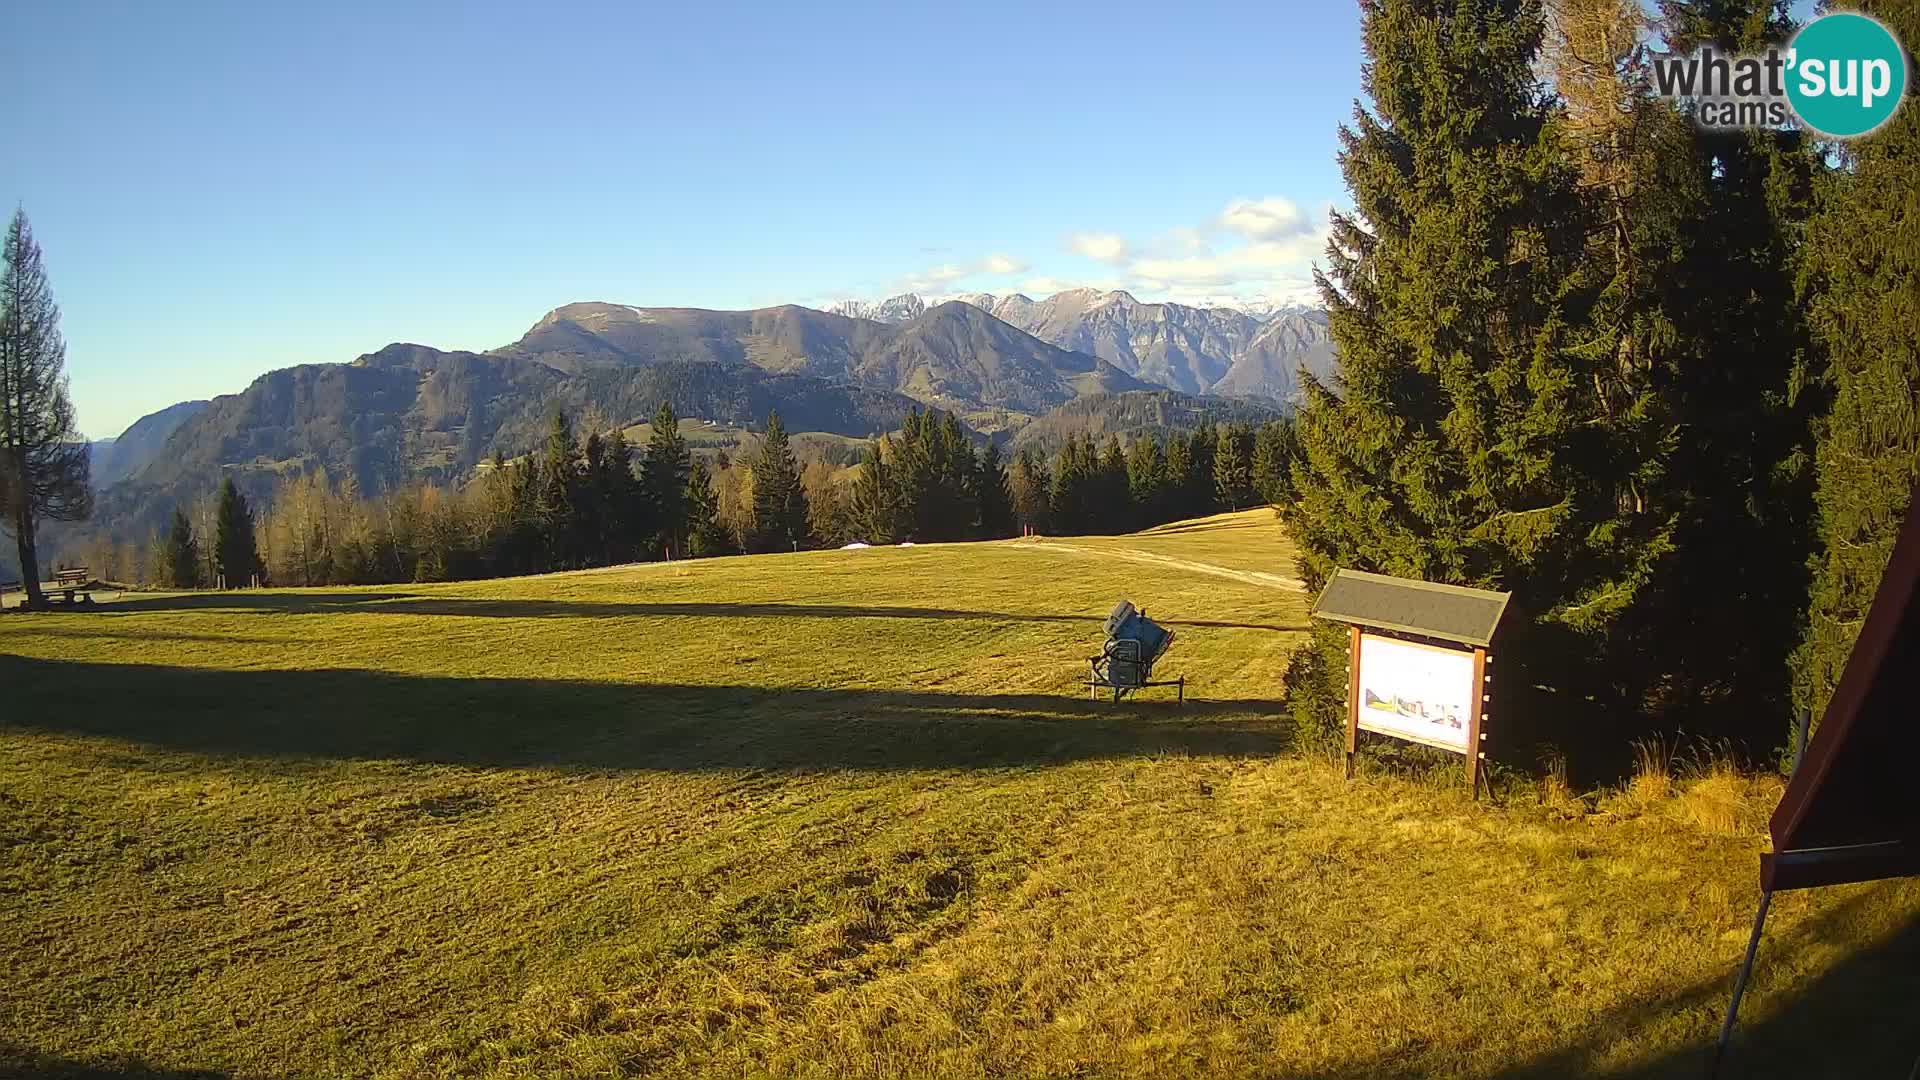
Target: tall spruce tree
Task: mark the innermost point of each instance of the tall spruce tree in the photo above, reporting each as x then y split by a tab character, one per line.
707	535
623	512
779	504
1180	476
1112	508
1273	452
874	513
44	460
236	559
1861	280
959	484
1698	308
664	474
1073	480
590	509
1146	479
994	494
182	565
556	494
1197	497
1462	443
1233	468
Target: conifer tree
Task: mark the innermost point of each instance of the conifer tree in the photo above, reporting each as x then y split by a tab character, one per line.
707	535
915	478
1691	345
874	514
1861	278
623	513
1072	477
1180	476
589	508
828	517
1197	491
779	504
993	494
1463	444
1233	468
1146	480
44	461
556	494
182	566
1273	452
958	486
665	472
237	559
1113	510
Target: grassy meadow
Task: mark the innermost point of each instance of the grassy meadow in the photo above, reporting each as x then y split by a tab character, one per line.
845	814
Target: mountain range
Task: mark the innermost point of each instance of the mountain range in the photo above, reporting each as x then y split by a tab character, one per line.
1196	350
1080	360
112	460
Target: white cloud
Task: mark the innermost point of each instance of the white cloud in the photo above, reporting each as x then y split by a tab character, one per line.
1253	252
1262	259
1041	287
1044	286
1265	219
936	280
1183	240
1106	247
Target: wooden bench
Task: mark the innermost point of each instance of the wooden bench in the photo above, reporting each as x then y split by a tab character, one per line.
71	580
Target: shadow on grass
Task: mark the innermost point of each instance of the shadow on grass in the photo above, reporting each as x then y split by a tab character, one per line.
1856	1020
359	714
392	603
21	1062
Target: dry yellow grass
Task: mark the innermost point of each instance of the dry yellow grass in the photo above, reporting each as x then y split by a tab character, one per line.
837	814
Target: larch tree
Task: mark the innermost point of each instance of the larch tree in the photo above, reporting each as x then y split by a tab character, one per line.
43	457
1032	491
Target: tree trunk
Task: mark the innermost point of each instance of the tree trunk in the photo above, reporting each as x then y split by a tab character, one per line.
29	552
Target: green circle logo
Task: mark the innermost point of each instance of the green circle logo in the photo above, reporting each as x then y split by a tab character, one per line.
1846	75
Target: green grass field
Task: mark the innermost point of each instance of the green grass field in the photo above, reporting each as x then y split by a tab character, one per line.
843	813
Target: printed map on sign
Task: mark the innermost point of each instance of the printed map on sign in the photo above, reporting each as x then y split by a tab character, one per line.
1416	692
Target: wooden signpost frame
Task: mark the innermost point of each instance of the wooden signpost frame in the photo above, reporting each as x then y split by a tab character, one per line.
1476	707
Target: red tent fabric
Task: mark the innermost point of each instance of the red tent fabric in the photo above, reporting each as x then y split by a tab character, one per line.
1850	812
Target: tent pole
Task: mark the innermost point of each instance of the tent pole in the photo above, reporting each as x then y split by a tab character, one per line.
1740	985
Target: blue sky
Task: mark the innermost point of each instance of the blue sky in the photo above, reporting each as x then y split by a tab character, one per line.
228	189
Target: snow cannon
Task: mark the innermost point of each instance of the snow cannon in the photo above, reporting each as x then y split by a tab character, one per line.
1125	664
